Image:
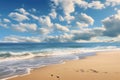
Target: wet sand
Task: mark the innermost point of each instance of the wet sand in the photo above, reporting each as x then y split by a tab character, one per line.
103	66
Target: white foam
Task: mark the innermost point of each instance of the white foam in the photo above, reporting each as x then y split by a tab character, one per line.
17	57
54	52
59	52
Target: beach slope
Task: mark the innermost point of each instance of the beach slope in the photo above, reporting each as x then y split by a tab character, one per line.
103	66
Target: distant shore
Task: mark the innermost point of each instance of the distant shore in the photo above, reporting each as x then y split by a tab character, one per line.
103	66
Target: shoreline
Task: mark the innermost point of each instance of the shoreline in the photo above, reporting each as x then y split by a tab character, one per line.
61	65
82	56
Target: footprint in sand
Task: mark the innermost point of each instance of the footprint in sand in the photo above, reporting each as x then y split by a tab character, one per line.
93	70
58	77
51	75
82	70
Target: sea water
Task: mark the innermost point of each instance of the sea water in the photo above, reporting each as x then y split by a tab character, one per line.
20	58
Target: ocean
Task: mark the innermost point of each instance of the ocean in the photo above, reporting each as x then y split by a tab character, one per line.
20	58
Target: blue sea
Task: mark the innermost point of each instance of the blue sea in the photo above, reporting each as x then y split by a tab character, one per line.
20	58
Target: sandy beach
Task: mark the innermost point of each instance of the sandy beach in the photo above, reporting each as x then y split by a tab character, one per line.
103	66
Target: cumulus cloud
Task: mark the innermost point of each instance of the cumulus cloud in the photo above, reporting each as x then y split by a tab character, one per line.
43	31
61	38
45	21
92	4
67	10
84	20
24	27
112	3
18	17
61	18
69	18
61	28
60	32
82	3
83	36
22	11
80	25
34	17
70	5
16	39
6	20
112	25
53	14
86	33
26	13
96	5
76	35
46	25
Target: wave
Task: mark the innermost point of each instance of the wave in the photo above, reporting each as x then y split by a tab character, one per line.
9	55
17	63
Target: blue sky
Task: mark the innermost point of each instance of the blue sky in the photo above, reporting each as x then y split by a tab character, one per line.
59	20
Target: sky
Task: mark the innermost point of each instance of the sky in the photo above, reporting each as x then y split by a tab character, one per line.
59	21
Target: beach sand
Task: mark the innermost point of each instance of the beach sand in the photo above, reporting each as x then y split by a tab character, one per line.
103	66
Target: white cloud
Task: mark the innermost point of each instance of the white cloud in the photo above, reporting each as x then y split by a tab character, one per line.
61	28
84	20
68	7
25	13
16	39
22	11
82	3
32	27
80	25
61	18
67	10
43	31
92	4
61	38
45	21
112	25
45	24
112	3
4	25
53	14
18	17
69	18
6	20
34	17
24	27
63	3
83	36
96	5
76	35
86	34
